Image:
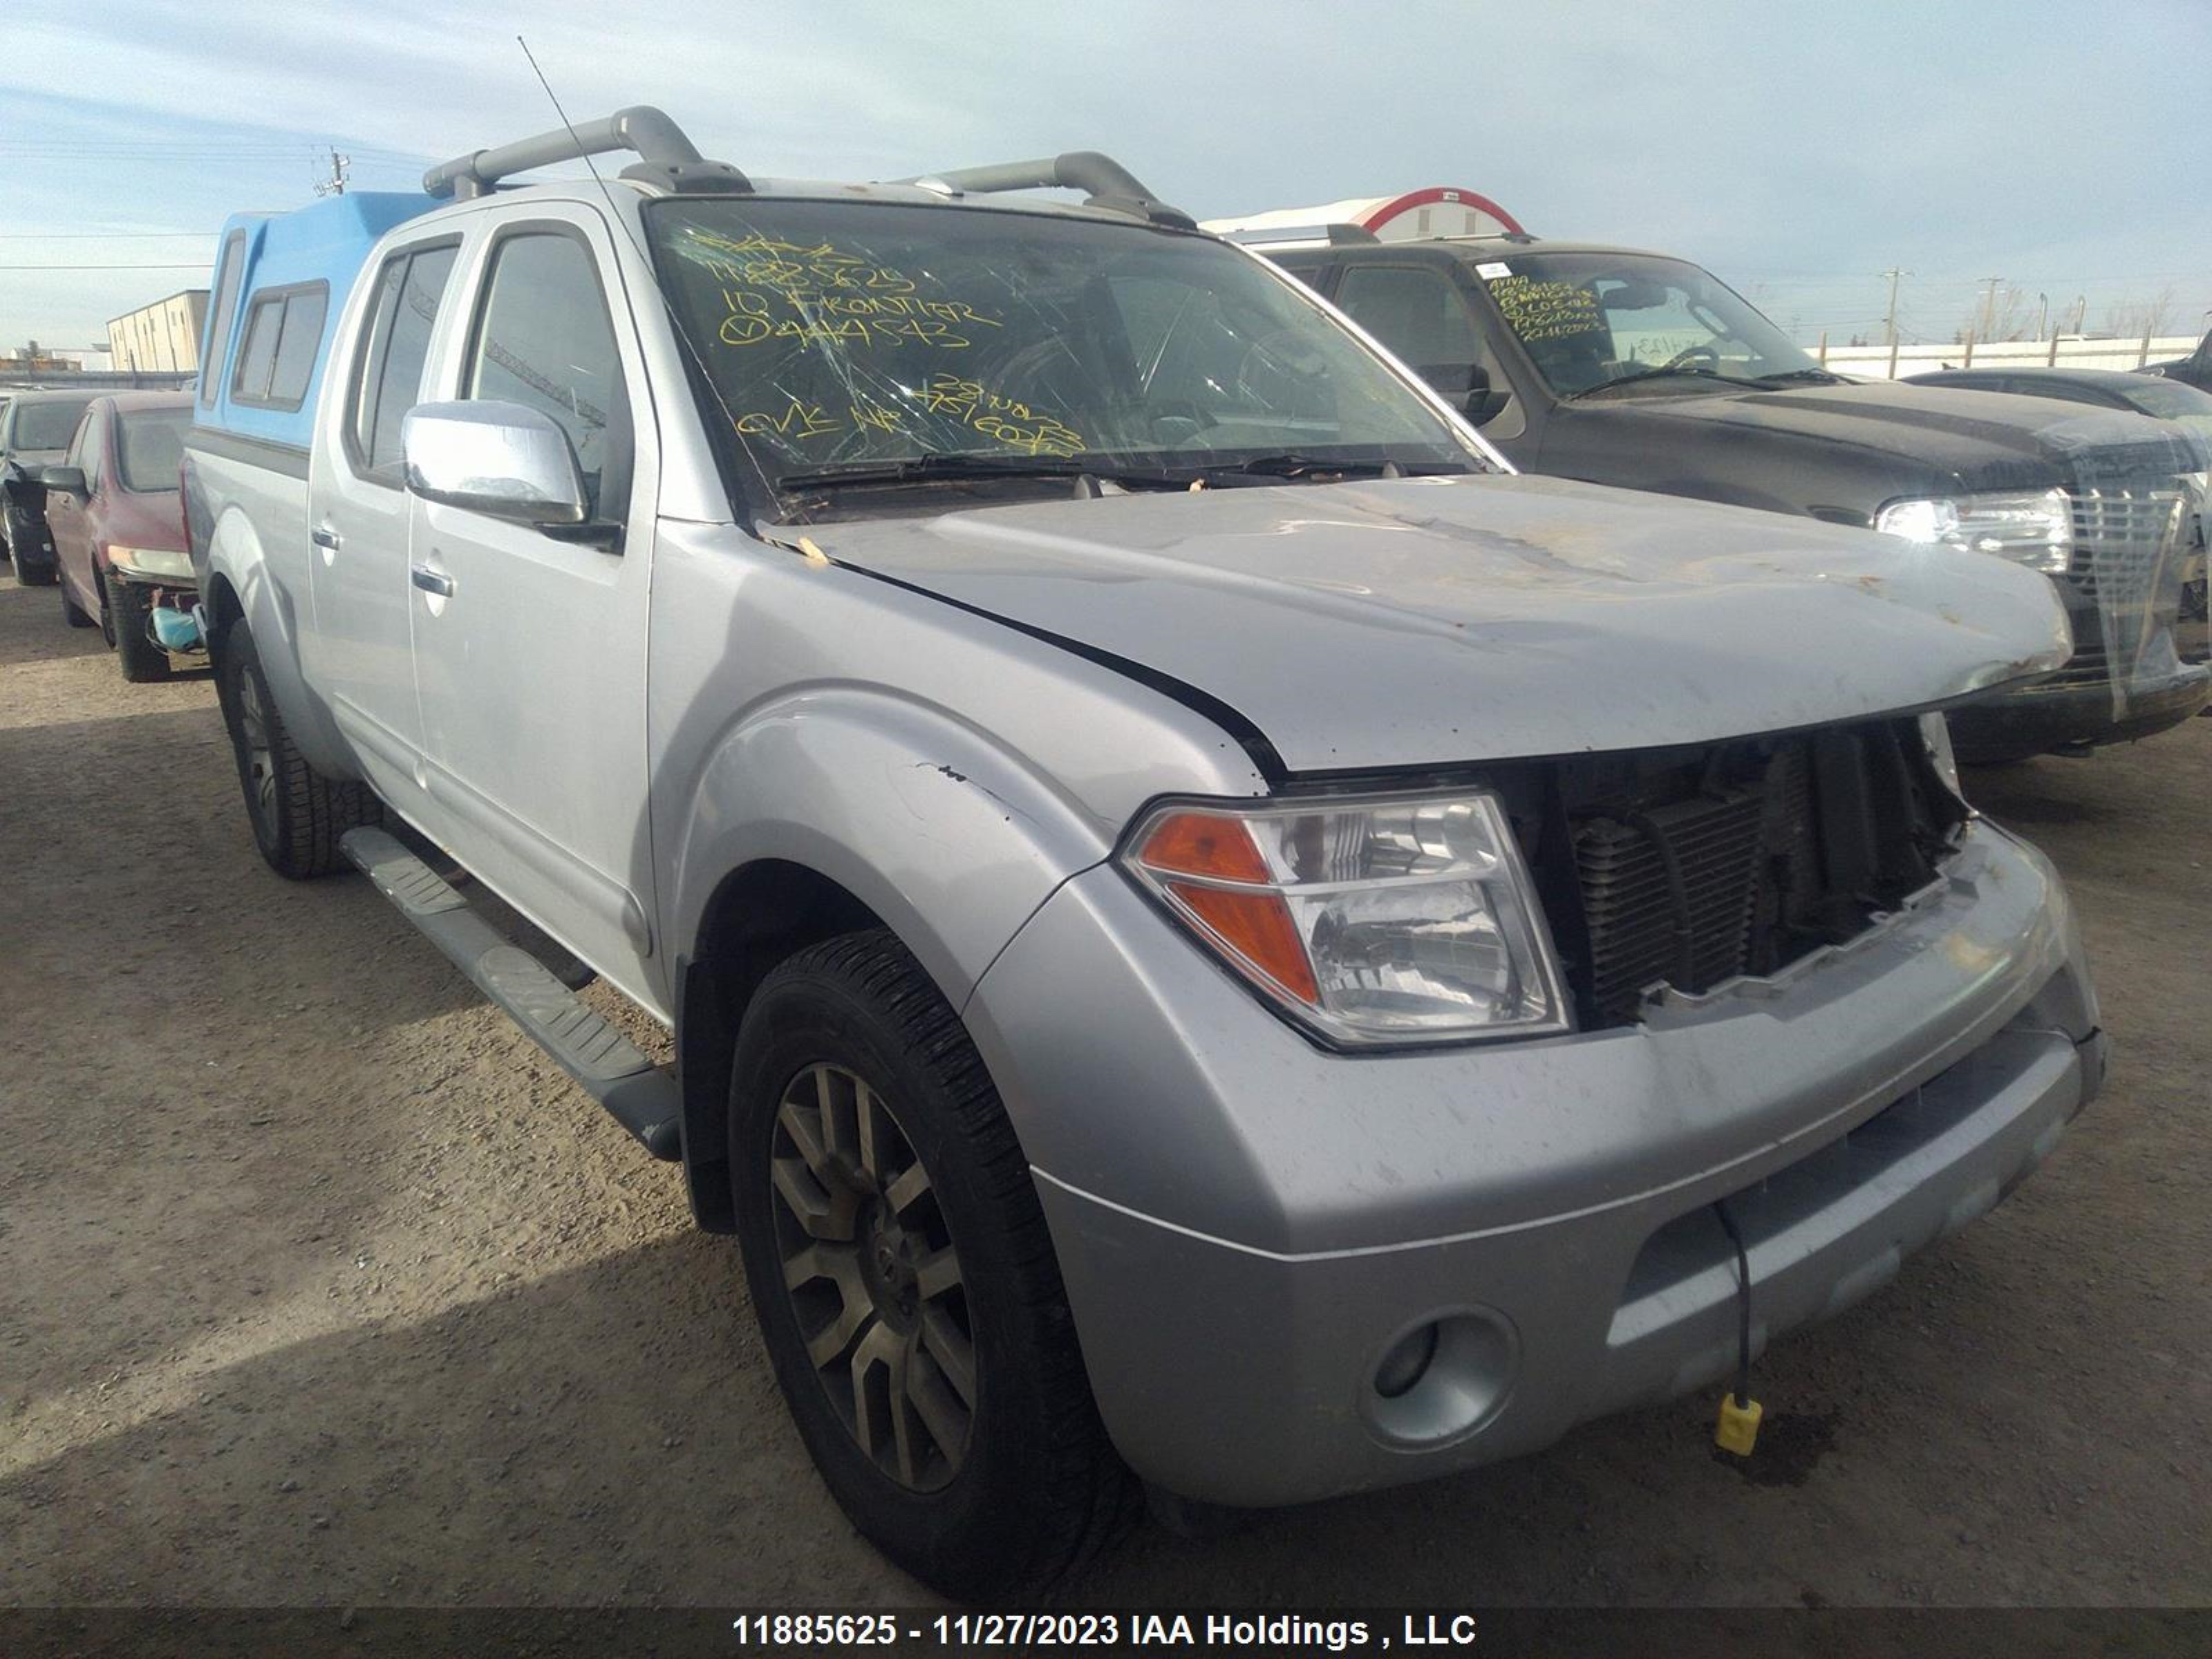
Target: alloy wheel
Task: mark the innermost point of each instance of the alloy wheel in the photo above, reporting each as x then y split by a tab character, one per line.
872	1276
259	752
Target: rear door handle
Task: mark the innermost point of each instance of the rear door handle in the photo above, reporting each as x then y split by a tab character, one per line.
431	581
323	536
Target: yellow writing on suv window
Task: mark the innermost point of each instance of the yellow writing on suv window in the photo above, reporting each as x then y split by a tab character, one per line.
1547	310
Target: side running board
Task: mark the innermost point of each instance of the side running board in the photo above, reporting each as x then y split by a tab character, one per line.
612	1069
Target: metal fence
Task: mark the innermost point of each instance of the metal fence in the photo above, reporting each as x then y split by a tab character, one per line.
1890	362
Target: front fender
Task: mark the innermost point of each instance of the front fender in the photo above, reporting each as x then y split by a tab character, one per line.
236	558
949	837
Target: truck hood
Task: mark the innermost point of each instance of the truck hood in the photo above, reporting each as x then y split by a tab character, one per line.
1424	622
1945	437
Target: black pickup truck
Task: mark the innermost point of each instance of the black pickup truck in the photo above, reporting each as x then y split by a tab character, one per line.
1627	368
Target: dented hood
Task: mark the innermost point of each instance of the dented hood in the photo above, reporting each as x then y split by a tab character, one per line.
1434	621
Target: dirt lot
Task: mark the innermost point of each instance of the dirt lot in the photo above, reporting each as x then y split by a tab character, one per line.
319	1284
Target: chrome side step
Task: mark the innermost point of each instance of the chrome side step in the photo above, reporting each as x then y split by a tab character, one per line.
612	1069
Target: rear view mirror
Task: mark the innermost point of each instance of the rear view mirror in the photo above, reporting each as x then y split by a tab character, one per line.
1634	296
68	479
503	460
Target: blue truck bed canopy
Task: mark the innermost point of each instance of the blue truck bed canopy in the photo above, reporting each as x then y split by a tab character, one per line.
326	244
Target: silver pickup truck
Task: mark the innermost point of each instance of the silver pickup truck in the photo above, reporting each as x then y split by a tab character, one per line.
1212	933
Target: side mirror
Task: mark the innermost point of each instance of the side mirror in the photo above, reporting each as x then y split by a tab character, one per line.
503	460
68	479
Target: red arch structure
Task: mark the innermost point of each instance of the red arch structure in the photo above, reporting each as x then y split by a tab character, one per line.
1376	218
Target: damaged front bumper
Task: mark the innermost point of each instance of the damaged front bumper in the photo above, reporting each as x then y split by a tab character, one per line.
2059	715
1261	1242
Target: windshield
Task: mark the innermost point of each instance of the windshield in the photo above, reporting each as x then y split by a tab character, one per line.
1590	320
2173	400
844	336
152	451
47	423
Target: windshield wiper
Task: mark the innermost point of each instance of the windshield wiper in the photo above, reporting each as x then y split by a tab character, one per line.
1294	465
1819	376
919	469
1660	373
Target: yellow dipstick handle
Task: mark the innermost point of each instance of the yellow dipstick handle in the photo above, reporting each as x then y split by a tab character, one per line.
1738	1429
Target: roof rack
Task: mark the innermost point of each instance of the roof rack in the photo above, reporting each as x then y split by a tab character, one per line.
667	158
1340	235
1107	183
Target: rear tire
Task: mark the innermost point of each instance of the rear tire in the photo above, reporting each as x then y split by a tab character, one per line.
130	614
298	814
73	613
888	1219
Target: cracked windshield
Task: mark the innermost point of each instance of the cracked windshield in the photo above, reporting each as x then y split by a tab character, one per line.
844	341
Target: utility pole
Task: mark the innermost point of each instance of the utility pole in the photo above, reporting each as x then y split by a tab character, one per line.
340	166
1889	322
1989	305
2042	312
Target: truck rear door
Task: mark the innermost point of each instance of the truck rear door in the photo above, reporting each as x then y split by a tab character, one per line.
359	519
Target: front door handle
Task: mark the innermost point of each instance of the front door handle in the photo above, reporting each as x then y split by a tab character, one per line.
431	581
323	536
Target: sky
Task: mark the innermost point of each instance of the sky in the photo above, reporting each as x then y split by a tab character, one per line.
1795	150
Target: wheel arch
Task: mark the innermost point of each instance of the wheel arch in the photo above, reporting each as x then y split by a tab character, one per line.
833	810
759	915
240	588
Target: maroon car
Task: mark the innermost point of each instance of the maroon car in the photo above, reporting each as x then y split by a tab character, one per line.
118	528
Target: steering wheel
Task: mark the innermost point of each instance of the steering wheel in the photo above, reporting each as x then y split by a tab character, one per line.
1700	356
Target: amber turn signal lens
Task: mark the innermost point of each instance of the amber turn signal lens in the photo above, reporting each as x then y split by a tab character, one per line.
1258	927
1203	844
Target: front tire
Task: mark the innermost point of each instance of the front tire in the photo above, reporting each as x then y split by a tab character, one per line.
298	814
131	616
904	1282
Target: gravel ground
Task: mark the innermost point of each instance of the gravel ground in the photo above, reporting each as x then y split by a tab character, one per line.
319	1284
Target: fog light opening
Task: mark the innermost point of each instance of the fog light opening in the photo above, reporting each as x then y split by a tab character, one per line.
1406	1363
1442	1379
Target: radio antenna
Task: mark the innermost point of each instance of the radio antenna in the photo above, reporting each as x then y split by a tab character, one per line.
653	272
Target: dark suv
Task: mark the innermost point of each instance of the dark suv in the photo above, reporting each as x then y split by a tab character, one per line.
35	428
1627	368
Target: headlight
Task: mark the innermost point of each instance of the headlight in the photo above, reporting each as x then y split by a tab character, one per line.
151	561
1376	919
2034	529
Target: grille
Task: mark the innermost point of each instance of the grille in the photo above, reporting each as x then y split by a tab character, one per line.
1693	866
1667	895
2120	536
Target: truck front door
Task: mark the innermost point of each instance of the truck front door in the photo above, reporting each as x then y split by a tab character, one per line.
530	650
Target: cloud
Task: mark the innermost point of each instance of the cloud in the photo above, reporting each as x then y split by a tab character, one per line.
1774	140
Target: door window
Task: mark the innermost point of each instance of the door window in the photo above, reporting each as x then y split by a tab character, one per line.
388	380
543	340
86	453
1415	311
